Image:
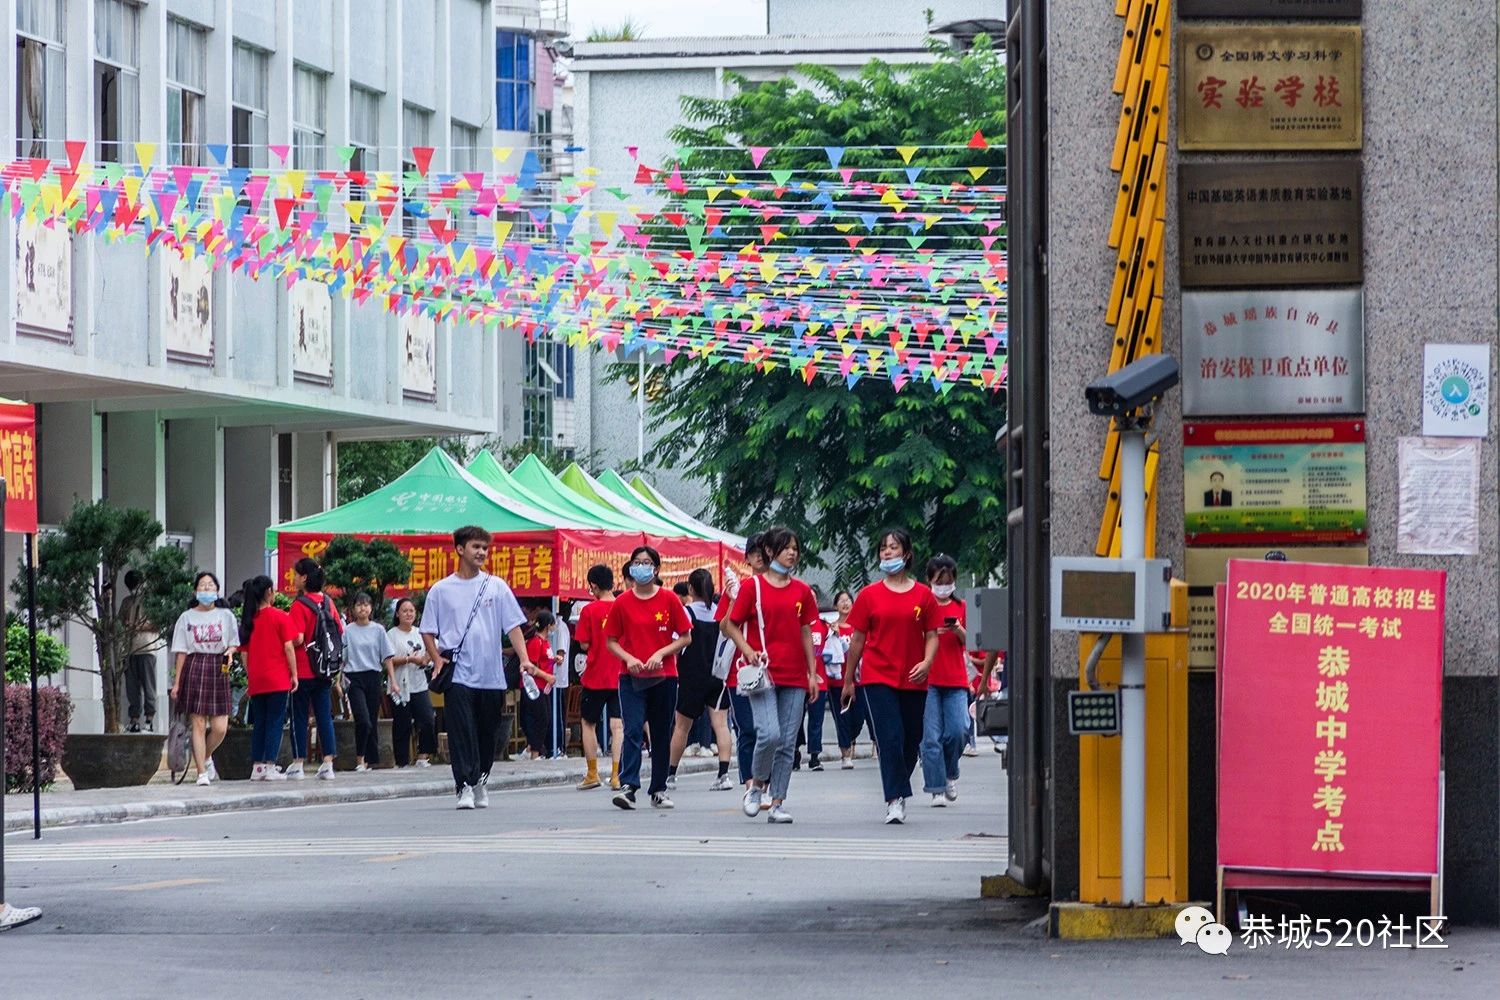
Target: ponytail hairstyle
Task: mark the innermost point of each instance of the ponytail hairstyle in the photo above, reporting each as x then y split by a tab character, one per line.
309	567
255	591
701	585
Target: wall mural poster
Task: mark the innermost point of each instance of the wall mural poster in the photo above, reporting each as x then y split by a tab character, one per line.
419	357
312	332
44	280
187	322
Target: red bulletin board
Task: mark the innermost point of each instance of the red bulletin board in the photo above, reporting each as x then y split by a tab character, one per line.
18	465
1330	719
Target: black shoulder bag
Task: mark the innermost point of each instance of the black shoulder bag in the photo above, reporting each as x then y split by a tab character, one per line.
442	679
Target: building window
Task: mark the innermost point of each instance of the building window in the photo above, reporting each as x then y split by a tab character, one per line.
40	100
252	128
551	375
416	130
309	118
465	153
187	80
117	79
513	83
364	128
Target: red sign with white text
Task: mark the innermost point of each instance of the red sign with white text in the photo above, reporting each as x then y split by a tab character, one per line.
1330	719
18	465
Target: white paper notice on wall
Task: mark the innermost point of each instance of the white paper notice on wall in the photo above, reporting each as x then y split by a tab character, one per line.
1439	497
1456	390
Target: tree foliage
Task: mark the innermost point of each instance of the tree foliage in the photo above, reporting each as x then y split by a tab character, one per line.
51	655
354	565
366	466
837	464
79	579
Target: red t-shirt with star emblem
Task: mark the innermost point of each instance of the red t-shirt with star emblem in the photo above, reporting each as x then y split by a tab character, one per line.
786	610
642	625
895	627
603	673
951	668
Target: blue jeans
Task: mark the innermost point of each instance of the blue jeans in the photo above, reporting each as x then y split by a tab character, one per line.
656	706
945	730
744	727
847	724
778	717
315	695
817	711
270	716
896	723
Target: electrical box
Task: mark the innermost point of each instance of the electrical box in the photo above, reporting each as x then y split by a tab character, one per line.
1111	595
989	618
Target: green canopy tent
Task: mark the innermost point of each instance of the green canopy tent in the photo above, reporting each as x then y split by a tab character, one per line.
664	508
585	485
538	480
487	469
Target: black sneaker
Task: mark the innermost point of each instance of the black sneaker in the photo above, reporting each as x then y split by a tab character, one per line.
814	764
625	798
797	761
134	727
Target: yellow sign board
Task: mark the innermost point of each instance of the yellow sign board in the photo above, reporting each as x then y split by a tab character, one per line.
1291	86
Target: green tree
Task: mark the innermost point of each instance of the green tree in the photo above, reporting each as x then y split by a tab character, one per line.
366	466
353	565
51	655
627	30
833	463
79	579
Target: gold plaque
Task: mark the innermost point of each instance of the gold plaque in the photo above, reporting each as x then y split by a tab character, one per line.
1292	86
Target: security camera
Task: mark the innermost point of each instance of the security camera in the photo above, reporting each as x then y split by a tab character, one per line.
1138	384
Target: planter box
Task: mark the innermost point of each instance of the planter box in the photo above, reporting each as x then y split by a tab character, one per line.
232	759
114	760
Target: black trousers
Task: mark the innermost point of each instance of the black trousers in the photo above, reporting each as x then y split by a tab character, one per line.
896	720
365	695
140	685
418	709
536	722
473	717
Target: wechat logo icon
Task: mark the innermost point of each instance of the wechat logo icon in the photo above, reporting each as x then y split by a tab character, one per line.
1196	925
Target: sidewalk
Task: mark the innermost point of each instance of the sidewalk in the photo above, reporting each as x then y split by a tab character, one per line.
63	806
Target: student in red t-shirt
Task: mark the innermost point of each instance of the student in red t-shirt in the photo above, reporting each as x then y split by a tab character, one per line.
536	713
945	721
739	706
770	624
601	679
266	639
895	641
314	694
847	722
647	628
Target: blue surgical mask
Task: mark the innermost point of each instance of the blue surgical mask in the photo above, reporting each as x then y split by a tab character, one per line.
207	596
890	567
642	574
776	567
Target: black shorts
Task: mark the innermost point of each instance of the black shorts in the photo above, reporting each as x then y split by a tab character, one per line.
594	703
695	693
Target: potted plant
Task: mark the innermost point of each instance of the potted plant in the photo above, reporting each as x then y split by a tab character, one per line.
78	574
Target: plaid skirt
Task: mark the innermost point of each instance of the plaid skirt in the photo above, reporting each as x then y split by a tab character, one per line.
205	686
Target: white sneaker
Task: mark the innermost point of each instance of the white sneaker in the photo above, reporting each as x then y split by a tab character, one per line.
325	770
258	772
895	811
951	792
971	751
424	763
361	768
524	755
938	801
481	796
721	784
213	772
16	916
778	815
273	773
295	771
204	779
751	805
847	764
671	782
466	798
660	801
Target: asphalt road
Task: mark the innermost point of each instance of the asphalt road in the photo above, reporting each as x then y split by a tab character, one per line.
554	893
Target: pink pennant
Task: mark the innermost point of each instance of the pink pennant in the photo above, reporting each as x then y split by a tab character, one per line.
282	152
758	153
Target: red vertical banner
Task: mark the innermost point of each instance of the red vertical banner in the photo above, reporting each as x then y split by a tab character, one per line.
18	465
1330	719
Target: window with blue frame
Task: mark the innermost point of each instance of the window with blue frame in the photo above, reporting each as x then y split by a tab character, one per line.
513	83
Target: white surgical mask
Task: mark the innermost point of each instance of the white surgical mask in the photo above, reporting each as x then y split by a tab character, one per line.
943	591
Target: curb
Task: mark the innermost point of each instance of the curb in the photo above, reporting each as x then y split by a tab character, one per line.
322	793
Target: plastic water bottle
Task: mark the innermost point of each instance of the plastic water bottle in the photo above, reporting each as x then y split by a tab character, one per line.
529	684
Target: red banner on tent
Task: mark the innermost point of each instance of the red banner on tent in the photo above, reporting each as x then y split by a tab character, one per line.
1330	719
18	465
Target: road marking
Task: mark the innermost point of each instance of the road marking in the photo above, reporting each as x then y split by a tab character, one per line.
988	851
174	883
403	856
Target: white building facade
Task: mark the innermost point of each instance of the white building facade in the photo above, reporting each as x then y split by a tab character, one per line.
211	400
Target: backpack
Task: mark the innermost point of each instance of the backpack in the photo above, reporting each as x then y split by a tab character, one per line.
325	647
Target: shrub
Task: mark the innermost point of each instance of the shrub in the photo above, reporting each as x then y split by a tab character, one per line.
55	711
51	655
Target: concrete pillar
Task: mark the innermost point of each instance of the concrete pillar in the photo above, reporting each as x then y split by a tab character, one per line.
312	473
195	491
249	498
135	462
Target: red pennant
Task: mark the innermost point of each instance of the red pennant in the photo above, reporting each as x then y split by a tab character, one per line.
423	156
977	141
284	208
642	174
75	148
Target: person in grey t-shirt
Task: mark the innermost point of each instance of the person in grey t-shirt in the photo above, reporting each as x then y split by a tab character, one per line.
466	615
367	653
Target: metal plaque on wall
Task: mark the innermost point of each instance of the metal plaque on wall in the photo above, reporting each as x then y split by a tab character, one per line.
1281	352
1289	9
1291	86
1270	222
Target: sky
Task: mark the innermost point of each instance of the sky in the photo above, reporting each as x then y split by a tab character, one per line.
670	18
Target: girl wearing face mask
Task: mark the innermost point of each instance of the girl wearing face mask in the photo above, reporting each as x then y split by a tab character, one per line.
847	723
895	641
408	686
740	712
784	645
945	720
204	642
